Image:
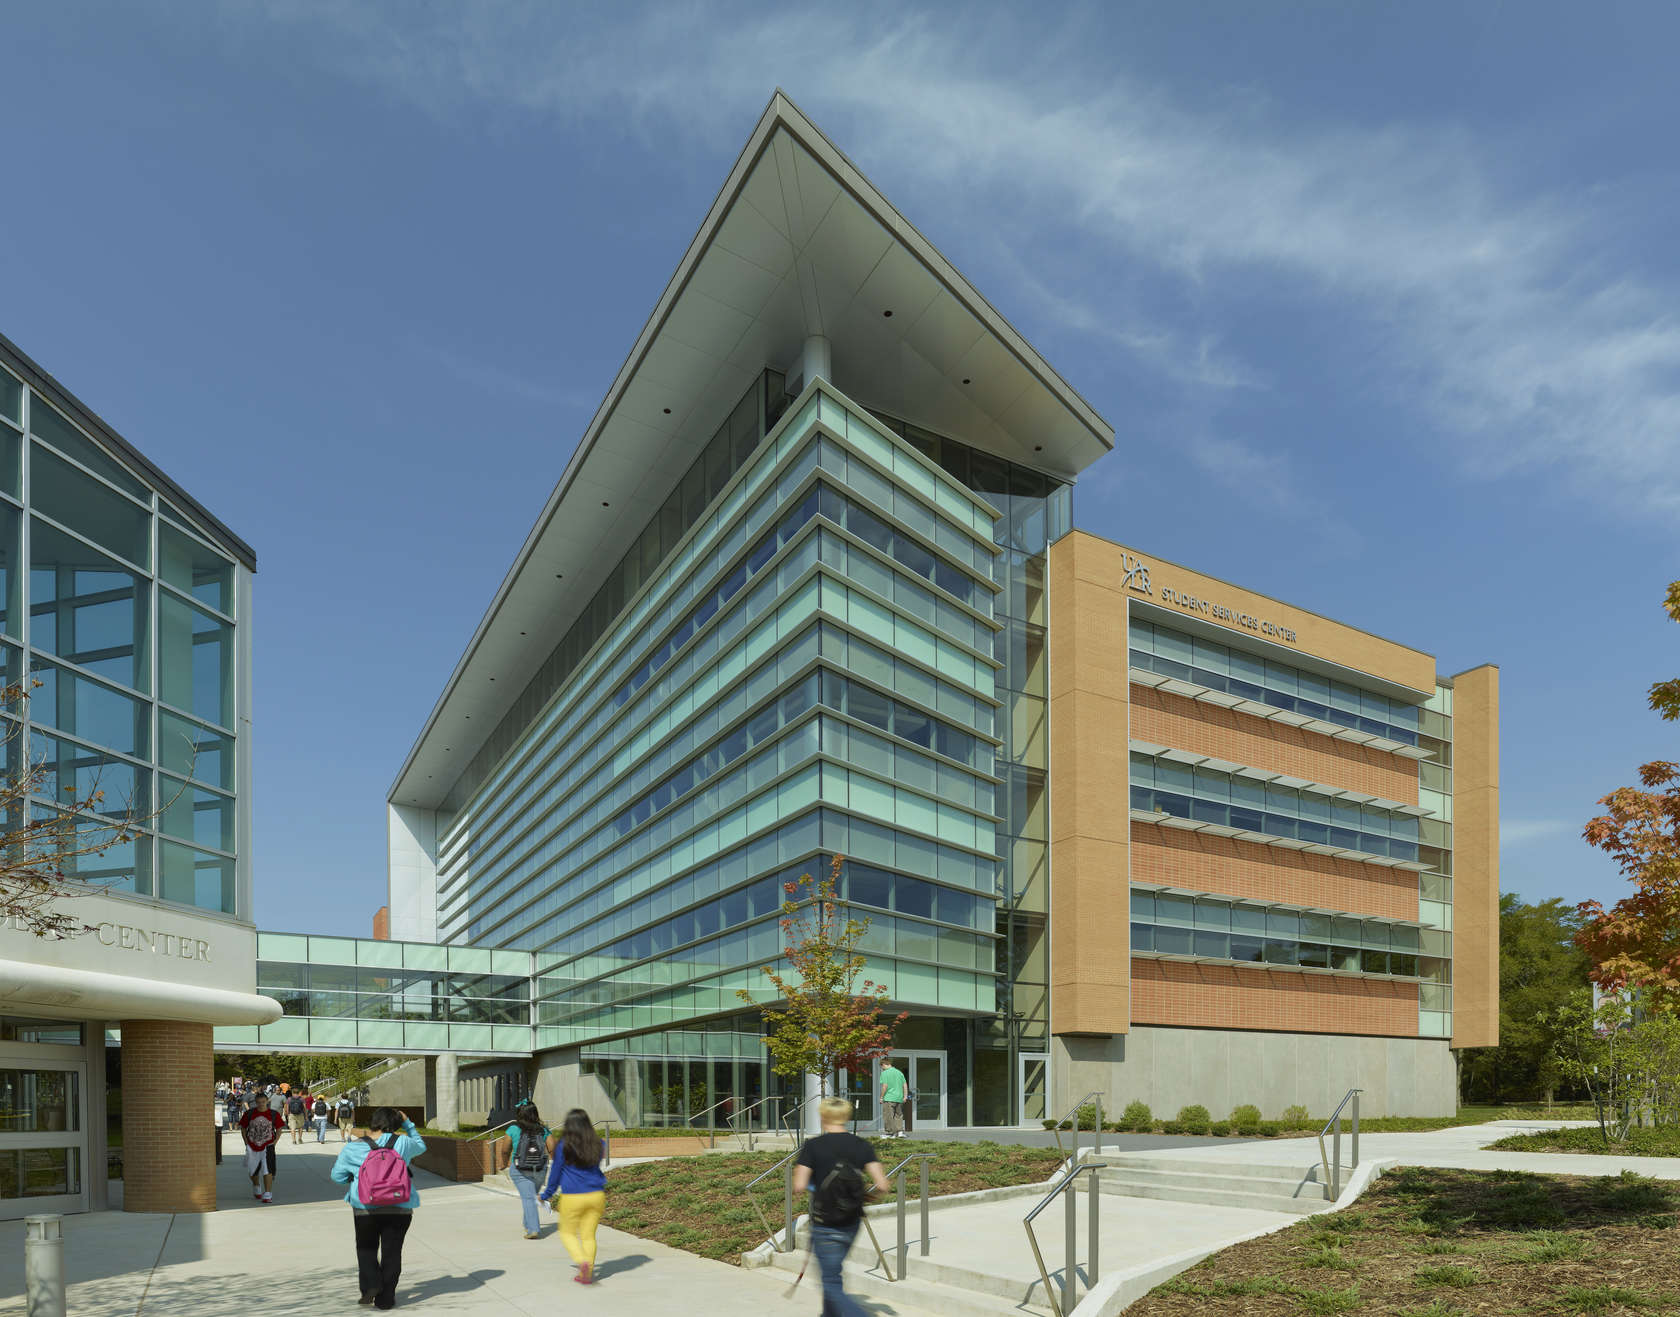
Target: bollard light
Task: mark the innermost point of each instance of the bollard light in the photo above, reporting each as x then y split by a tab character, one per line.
43	1266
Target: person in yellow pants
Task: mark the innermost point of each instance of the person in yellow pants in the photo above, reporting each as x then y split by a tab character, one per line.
582	1184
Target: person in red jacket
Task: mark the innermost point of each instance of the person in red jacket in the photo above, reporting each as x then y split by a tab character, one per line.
261	1130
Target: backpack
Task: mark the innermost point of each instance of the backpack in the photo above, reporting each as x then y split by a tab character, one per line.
839	1199
346	1108
383	1180
530	1155
294	1104
320	1107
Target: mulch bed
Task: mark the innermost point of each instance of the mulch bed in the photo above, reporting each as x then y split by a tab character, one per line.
1431	1243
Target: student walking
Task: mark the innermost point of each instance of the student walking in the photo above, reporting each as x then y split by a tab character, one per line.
382	1200
530	1145
346	1117
318	1114
577	1174
296	1114
837	1167
892	1100
260	1128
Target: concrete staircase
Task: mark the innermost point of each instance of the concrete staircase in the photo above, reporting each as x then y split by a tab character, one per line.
1219	1183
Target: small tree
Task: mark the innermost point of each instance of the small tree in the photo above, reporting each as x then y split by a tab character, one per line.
41	846
829	1020
1595	1049
1636	943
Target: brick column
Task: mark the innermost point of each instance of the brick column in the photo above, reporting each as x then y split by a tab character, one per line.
168	1089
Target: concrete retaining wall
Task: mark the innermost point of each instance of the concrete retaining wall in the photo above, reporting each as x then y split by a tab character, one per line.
1221	1068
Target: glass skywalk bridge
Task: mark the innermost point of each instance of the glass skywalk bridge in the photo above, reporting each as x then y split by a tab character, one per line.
389	998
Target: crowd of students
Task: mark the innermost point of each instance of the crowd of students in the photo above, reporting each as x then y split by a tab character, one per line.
564	1169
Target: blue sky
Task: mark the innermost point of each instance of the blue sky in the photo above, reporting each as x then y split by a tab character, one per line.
1379	300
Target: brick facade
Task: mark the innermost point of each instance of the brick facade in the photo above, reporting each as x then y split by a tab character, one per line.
1170	857
1232	997
1207	729
168	1091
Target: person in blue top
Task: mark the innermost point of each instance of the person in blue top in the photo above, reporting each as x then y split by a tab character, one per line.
380	1230
530	1145
577	1174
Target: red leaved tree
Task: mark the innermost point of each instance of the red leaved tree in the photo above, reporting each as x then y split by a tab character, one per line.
1635	944
829	1020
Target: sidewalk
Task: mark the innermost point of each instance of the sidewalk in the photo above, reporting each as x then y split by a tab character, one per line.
1460	1146
466	1254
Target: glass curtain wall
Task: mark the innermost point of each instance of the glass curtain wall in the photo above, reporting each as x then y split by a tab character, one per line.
119	618
1435	894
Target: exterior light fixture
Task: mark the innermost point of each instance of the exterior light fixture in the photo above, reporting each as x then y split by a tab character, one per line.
667	411
968	381
886	315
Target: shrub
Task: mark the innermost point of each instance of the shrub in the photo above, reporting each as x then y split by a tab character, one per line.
1137	1116
1171	1127
1086	1117
1194	1119
1220	1127
1249	1131
1295	1118
1247	1114
1271	1128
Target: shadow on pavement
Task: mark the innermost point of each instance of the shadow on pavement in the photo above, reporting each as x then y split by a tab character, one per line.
613	1266
441	1285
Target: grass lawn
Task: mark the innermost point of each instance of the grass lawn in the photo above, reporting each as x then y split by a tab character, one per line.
1664	1142
697	1203
1434	1243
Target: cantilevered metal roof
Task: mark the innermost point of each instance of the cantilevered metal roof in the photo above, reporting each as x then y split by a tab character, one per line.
798	243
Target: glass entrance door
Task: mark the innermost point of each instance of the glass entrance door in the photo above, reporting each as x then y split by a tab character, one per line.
924	1074
1034	1087
43	1137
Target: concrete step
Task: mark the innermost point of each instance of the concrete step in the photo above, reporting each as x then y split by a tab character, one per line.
1278	1170
944	1289
1261	1193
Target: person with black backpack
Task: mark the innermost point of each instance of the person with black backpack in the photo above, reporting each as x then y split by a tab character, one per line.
530	1145
346	1117
841	1171
296	1114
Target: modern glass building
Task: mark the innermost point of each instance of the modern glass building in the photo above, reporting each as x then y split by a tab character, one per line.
809	587
124	618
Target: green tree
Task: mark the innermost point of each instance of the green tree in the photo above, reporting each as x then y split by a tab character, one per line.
1540	970
830	1018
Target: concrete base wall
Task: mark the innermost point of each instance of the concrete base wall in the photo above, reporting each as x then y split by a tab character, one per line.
560	1085
1222	1068
401	1086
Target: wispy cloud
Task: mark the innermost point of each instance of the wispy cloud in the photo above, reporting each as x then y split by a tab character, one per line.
1502	317
1525	832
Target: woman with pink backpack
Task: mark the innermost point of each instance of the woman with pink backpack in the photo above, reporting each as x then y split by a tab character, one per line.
382	1199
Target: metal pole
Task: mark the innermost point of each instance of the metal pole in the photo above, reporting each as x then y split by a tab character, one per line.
787	1202
1091	1244
924	1207
1355	1159
1070	1287
1336	1160
903	1246
43	1265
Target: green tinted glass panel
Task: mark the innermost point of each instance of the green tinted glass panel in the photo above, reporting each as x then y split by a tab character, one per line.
87	608
195	661
46	423
193	877
195	751
11	397
11	460
193	814
194	568
71	498
87	709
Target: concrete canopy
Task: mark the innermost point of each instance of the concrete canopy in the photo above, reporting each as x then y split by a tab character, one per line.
797	243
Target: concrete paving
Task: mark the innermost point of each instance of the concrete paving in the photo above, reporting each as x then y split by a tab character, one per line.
465	1254
1463	1146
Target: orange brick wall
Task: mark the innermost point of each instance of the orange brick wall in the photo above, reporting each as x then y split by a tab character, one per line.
1169	857
1222	997
168	1091
382	924
1207	729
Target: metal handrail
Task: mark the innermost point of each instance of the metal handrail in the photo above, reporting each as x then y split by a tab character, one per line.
747	1111
903	1246
1333	1182
1070	1268
786	1167
1073	1115
797	1132
711	1129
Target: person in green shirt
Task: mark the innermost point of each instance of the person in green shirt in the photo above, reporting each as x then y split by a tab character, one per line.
530	1145
892	1100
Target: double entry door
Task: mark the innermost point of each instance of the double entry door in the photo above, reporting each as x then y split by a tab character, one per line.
924	1073
43	1134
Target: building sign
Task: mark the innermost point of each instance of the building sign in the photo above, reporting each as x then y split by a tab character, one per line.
131	937
1134	576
